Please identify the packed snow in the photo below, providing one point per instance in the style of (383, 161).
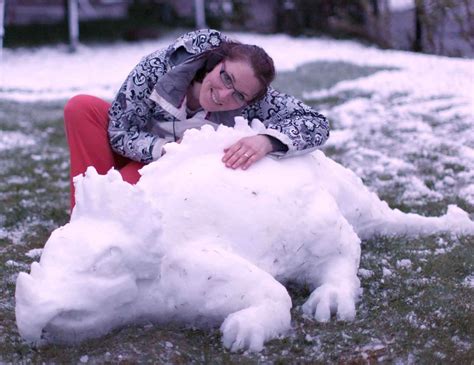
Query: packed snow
(197, 243)
(9, 140)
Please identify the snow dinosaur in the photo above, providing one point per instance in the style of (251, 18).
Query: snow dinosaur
(197, 243)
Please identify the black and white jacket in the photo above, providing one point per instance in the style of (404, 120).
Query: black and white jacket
(149, 109)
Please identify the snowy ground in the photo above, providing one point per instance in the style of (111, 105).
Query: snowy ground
(404, 122)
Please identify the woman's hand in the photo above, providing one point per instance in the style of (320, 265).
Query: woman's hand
(163, 150)
(247, 151)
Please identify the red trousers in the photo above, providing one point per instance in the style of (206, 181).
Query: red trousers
(86, 122)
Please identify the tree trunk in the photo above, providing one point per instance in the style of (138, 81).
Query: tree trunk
(72, 19)
(2, 28)
(418, 39)
(199, 11)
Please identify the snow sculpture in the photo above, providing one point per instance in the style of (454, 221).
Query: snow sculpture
(198, 243)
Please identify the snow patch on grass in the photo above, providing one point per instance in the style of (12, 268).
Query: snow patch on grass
(9, 140)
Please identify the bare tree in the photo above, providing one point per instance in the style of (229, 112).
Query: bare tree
(417, 45)
(439, 22)
(465, 20)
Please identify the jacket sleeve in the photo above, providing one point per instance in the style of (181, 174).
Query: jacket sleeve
(132, 110)
(296, 125)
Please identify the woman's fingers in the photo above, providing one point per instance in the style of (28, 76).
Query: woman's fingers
(239, 157)
(251, 160)
(246, 158)
(231, 152)
(246, 151)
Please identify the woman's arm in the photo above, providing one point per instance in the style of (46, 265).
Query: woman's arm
(296, 125)
(132, 109)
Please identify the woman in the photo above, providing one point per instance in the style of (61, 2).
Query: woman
(202, 78)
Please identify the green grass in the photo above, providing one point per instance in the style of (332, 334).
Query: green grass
(420, 314)
(321, 75)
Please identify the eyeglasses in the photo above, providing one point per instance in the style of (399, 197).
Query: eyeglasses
(229, 84)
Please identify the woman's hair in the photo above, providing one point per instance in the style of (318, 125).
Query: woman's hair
(255, 56)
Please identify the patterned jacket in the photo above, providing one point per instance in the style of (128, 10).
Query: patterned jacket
(149, 109)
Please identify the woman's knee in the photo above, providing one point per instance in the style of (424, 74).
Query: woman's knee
(130, 172)
(82, 109)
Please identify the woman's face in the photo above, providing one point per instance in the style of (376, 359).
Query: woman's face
(230, 85)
